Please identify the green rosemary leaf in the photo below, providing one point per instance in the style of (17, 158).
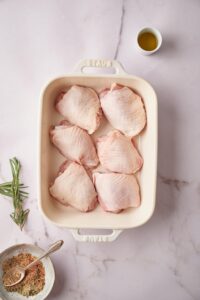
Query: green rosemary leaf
(15, 190)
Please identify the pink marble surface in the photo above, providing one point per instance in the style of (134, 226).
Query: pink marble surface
(40, 40)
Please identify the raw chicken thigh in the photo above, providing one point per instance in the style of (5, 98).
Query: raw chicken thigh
(117, 153)
(124, 109)
(116, 191)
(74, 143)
(81, 107)
(74, 187)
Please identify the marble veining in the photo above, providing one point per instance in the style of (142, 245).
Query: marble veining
(178, 184)
(44, 39)
(123, 11)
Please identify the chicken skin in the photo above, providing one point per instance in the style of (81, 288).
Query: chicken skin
(116, 191)
(74, 143)
(80, 106)
(117, 153)
(124, 109)
(74, 187)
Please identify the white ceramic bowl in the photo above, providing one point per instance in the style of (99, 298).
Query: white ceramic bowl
(49, 272)
(158, 36)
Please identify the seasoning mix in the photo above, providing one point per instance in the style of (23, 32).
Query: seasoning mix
(34, 280)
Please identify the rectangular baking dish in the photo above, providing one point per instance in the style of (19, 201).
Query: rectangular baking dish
(50, 159)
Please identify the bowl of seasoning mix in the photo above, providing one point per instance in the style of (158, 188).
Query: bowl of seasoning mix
(39, 279)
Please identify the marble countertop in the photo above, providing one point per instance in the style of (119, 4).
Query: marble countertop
(44, 39)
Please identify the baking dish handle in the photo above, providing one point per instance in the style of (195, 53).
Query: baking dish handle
(99, 63)
(95, 237)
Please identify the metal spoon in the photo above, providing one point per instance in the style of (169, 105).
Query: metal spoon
(18, 273)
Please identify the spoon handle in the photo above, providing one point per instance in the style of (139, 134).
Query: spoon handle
(54, 247)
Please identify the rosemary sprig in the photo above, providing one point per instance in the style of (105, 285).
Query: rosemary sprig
(15, 190)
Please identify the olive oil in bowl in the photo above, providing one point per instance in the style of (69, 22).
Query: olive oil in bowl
(149, 40)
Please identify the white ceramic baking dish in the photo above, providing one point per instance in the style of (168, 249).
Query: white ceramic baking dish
(50, 159)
